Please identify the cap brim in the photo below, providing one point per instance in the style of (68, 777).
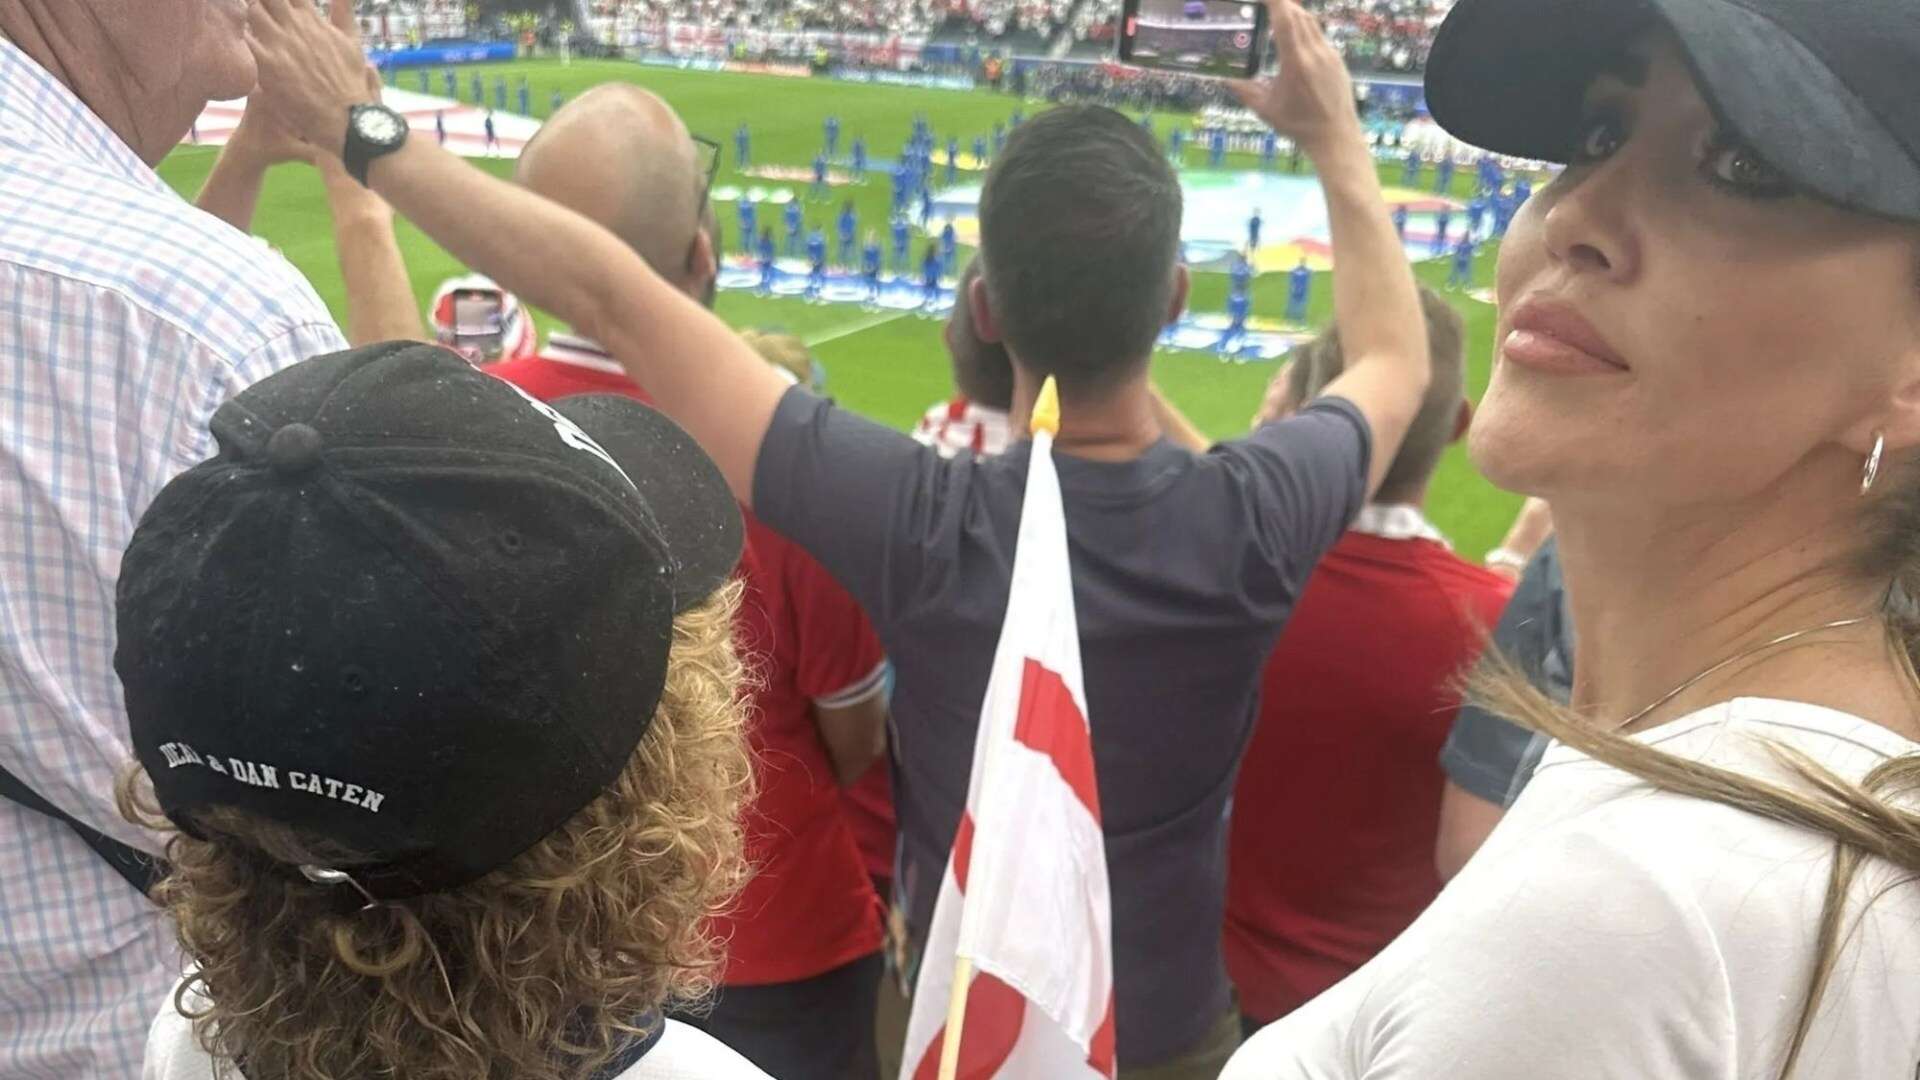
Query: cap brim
(681, 485)
(1510, 76)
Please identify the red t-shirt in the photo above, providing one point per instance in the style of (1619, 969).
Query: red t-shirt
(809, 907)
(1330, 849)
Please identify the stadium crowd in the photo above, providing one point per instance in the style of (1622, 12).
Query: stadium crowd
(606, 708)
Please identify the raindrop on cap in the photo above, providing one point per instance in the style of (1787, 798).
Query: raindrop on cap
(294, 450)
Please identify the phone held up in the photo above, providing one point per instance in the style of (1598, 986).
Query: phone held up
(1219, 39)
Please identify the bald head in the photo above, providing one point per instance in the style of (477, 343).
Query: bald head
(621, 156)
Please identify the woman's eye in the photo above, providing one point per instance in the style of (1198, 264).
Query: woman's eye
(1741, 170)
(1599, 139)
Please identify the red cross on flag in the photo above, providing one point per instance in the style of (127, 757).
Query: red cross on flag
(1017, 976)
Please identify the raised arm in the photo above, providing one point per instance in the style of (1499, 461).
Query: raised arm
(232, 190)
(380, 301)
(1375, 301)
(691, 363)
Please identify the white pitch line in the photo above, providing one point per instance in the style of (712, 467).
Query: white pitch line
(854, 328)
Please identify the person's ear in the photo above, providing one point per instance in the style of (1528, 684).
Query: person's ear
(1898, 421)
(1462, 420)
(1182, 286)
(986, 326)
(703, 265)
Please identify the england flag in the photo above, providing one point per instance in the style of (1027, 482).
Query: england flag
(1017, 976)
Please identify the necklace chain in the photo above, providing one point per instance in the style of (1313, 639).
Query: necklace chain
(1734, 659)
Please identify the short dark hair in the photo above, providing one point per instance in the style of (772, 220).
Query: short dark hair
(1432, 428)
(1080, 237)
(981, 370)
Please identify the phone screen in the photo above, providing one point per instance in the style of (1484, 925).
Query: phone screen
(1214, 38)
(476, 314)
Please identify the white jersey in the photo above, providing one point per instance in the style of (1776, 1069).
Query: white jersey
(683, 1053)
(1610, 930)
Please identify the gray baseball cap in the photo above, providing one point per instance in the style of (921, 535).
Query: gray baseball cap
(1823, 89)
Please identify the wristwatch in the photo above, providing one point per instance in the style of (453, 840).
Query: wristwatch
(1502, 558)
(373, 131)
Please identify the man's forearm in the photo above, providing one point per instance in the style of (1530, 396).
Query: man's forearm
(232, 190)
(693, 366)
(1376, 303)
(380, 302)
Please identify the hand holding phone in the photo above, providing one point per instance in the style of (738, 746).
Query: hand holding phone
(1310, 97)
(1218, 39)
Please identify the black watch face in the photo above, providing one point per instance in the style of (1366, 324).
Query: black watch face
(378, 126)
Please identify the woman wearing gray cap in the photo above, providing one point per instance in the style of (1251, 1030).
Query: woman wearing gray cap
(1709, 362)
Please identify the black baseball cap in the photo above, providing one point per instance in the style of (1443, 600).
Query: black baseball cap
(1823, 89)
(411, 611)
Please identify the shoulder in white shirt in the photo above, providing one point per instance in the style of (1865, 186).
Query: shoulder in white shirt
(1609, 930)
(683, 1053)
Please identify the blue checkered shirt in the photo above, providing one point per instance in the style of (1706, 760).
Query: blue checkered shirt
(126, 318)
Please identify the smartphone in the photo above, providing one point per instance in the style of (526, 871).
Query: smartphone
(1220, 39)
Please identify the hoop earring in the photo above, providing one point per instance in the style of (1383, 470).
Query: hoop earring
(1872, 471)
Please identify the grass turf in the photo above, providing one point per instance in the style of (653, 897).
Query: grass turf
(888, 367)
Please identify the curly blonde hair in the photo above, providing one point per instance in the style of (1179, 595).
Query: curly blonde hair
(542, 970)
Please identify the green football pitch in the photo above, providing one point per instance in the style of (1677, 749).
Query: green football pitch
(888, 366)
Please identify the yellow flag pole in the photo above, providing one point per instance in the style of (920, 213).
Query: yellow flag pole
(1046, 417)
(956, 1017)
(1046, 409)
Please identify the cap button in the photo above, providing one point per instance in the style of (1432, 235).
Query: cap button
(294, 450)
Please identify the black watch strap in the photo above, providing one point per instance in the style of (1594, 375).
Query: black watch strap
(361, 152)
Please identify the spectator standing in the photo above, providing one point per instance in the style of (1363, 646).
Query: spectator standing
(974, 420)
(1712, 870)
(131, 317)
(1081, 205)
(803, 965)
(1339, 744)
(367, 870)
(1488, 759)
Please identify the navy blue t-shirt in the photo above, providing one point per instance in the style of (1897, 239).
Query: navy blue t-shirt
(1185, 568)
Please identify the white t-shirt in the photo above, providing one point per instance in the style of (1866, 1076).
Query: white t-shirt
(1611, 930)
(683, 1053)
